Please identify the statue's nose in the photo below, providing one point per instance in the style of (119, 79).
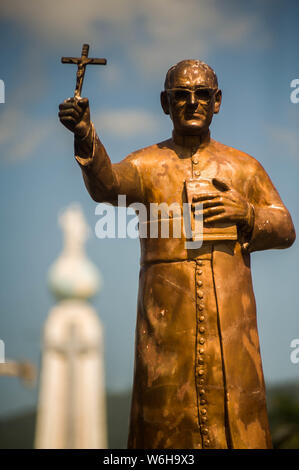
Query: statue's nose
(192, 99)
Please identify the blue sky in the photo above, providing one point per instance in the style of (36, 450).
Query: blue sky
(253, 47)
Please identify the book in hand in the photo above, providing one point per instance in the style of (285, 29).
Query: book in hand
(213, 231)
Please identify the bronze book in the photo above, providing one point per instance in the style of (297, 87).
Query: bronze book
(212, 231)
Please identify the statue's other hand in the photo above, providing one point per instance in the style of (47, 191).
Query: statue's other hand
(228, 206)
(74, 114)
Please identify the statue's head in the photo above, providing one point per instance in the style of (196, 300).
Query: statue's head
(191, 96)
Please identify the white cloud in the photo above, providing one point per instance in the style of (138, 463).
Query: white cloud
(113, 76)
(21, 130)
(151, 33)
(126, 122)
(68, 20)
(21, 134)
(189, 29)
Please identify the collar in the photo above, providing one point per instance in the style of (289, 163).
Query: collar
(193, 142)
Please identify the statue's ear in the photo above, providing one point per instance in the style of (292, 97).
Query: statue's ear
(164, 102)
(218, 98)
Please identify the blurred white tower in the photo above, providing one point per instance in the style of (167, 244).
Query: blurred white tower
(72, 409)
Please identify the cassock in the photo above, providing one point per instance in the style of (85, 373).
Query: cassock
(198, 378)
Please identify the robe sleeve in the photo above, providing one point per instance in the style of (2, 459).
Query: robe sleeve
(273, 226)
(104, 180)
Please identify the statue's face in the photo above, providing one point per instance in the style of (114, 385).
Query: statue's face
(191, 100)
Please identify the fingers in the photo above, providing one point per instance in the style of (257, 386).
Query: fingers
(217, 218)
(70, 112)
(206, 196)
(211, 211)
(69, 122)
(83, 103)
(216, 205)
(224, 216)
(78, 104)
(74, 115)
(70, 104)
(218, 201)
(208, 201)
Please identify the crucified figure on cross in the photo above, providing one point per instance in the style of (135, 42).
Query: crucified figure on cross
(81, 62)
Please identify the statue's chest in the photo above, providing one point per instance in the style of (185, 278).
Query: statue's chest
(166, 180)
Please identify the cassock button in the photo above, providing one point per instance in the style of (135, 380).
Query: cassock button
(200, 293)
(195, 160)
(202, 391)
(204, 419)
(206, 442)
(201, 318)
(202, 381)
(201, 306)
(203, 411)
(201, 361)
(199, 283)
(197, 173)
(202, 329)
(199, 262)
(201, 350)
(201, 341)
(205, 431)
(201, 372)
(203, 402)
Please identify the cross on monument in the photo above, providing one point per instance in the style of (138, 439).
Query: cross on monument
(81, 62)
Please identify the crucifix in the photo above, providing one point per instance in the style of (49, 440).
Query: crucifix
(81, 63)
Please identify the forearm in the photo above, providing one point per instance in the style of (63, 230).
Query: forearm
(99, 177)
(273, 228)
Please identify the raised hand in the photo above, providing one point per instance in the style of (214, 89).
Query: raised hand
(74, 114)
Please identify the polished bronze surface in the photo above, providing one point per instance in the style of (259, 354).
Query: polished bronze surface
(198, 378)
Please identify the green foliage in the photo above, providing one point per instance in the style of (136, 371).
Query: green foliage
(283, 408)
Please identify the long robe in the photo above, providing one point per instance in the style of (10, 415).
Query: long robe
(198, 378)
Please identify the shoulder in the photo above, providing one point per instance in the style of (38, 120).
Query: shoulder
(149, 154)
(237, 156)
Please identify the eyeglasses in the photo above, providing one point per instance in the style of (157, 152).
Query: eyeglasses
(204, 94)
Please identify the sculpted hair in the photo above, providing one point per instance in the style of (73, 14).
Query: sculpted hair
(211, 76)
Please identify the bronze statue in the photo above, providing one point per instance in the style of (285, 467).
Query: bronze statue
(198, 378)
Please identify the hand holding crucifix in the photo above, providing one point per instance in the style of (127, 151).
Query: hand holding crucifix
(74, 112)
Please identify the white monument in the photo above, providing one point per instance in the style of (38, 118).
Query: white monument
(72, 408)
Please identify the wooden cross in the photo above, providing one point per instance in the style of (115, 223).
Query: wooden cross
(81, 62)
